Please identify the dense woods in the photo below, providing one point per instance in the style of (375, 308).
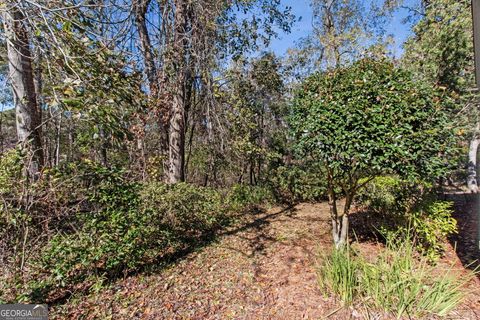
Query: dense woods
(135, 132)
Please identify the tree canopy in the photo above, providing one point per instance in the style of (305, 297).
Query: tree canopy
(371, 119)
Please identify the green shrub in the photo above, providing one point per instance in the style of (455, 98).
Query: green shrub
(20, 222)
(12, 216)
(398, 205)
(392, 195)
(385, 195)
(395, 281)
(132, 226)
(10, 171)
(186, 209)
(102, 225)
(242, 196)
(296, 183)
(110, 238)
(432, 222)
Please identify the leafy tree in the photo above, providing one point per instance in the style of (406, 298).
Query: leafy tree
(441, 51)
(366, 120)
(195, 35)
(255, 95)
(98, 95)
(342, 32)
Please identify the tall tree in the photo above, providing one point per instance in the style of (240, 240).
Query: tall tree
(28, 113)
(192, 37)
(254, 96)
(441, 51)
(343, 31)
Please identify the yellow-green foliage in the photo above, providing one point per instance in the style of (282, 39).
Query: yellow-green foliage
(10, 170)
(299, 182)
(401, 205)
(242, 196)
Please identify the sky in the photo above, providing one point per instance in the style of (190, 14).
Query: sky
(301, 8)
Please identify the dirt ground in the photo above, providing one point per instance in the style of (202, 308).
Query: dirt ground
(263, 268)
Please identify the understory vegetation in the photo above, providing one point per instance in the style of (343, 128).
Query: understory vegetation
(96, 224)
(134, 133)
(398, 208)
(397, 280)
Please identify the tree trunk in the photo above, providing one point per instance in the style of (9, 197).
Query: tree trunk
(140, 11)
(176, 130)
(340, 223)
(340, 230)
(332, 203)
(70, 140)
(57, 139)
(472, 182)
(140, 8)
(176, 145)
(28, 113)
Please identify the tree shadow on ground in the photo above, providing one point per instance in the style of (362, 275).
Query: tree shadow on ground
(242, 222)
(261, 237)
(466, 212)
(364, 226)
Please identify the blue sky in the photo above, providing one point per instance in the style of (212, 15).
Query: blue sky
(301, 8)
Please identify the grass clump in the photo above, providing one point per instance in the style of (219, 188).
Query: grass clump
(338, 274)
(395, 281)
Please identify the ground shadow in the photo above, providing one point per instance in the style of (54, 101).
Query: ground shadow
(57, 296)
(364, 226)
(466, 212)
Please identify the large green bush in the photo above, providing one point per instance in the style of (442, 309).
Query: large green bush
(186, 210)
(368, 119)
(386, 195)
(83, 220)
(12, 214)
(108, 238)
(432, 222)
(241, 197)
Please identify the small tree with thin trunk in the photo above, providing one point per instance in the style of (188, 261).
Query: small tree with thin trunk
(366, 120)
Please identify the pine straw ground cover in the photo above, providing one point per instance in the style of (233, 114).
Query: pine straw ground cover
(261, 268)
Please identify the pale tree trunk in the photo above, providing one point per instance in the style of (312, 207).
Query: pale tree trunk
(340, 230)
(176, 145)
(332, 203)
(472, 182)
(58, 131)
(340, 223)
(70, 141)
(28, 113)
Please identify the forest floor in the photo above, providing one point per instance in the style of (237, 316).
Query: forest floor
(261, 268)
